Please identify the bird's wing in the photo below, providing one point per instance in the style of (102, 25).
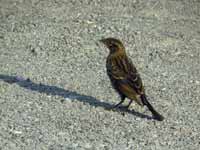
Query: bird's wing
(124, 72)
(133, 78)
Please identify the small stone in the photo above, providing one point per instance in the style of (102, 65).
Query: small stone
(177, 53)
(87, 145)
(191, 81)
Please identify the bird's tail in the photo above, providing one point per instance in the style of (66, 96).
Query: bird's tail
(156, 115)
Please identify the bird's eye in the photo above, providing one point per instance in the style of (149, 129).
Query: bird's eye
(113, 47)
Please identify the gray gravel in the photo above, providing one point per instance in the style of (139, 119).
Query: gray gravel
(54, 91)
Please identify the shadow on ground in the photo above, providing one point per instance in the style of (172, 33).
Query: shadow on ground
(54, 90)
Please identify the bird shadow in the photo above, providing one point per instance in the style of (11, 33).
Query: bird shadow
(54, 90)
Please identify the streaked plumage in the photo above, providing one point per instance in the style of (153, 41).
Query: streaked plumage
(124, 76)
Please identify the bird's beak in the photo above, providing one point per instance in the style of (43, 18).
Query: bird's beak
(103, 41)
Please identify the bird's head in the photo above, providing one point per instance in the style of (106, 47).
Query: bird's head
(114, 45)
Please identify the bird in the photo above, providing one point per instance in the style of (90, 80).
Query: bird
(124, 76)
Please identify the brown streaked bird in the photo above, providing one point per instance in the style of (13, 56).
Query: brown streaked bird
(124, 76)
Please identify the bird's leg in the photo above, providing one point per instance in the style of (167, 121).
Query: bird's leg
(122, 100)
(156, 115)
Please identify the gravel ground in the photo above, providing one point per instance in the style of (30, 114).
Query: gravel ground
(54, 91)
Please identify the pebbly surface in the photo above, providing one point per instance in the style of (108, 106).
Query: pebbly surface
(54, 91)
